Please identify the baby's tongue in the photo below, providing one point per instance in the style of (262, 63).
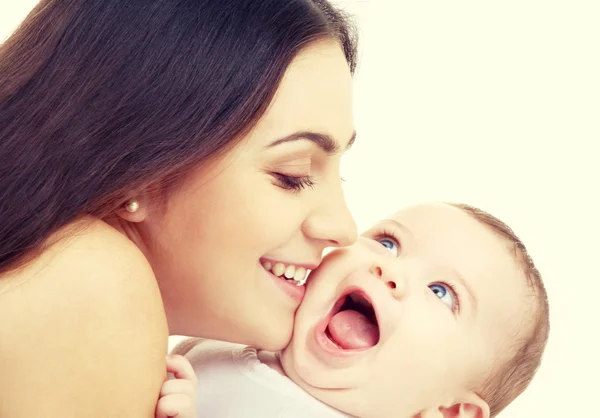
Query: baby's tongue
(351, 329)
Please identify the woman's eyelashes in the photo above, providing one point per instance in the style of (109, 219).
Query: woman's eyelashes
(293, 183)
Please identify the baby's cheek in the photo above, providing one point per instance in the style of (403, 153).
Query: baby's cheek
(420, 340)
(325, 280)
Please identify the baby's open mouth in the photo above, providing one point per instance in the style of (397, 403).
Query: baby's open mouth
(354, 324)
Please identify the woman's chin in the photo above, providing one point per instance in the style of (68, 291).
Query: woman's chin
(272, 341)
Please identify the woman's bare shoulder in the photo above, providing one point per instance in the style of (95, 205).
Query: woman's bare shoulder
(84, 331)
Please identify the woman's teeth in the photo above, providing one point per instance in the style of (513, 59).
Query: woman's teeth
(292, 273)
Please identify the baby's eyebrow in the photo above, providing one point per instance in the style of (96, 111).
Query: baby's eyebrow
(400, 226)
(392, 223)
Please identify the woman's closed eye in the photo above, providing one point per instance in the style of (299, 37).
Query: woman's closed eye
(293, 183)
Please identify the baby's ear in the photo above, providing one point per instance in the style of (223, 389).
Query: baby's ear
(470, 406)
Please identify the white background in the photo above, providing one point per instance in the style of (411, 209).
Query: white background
(496, 104)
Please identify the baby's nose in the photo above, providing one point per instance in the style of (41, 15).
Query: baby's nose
(392, 279)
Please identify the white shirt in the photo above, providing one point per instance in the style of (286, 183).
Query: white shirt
(234, 383)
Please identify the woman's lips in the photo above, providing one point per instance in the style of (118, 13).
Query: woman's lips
(289, 287)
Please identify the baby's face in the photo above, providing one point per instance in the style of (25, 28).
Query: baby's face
(409, 317)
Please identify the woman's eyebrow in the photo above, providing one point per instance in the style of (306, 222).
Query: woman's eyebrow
(323, 141)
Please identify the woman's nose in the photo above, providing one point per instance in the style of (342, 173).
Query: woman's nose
(331, 221)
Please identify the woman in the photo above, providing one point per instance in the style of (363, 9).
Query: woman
(169, 151)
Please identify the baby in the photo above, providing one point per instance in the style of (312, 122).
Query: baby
(437, 312)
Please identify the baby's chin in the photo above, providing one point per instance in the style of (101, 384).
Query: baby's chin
(310, 376)
(327, 385)
(301, 375)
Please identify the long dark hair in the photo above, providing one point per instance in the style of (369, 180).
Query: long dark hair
(102, 97)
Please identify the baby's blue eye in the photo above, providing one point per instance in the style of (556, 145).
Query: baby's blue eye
(390, 244)
(444, 292)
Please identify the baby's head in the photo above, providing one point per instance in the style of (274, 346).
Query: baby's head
(436, 312)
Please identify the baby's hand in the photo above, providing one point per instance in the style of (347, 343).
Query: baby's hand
(178, 396)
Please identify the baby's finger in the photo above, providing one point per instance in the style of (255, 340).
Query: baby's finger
(175, 406)
(179, 386)
(181, 368)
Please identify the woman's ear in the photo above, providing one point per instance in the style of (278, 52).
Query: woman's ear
(134, 210)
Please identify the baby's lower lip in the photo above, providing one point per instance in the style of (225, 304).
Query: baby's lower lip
(325, 349)
(327, 344)
(327, 352)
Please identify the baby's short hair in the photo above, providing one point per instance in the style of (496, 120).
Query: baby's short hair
(509, 379)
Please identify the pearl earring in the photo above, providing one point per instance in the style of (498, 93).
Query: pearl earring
(132, 206)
